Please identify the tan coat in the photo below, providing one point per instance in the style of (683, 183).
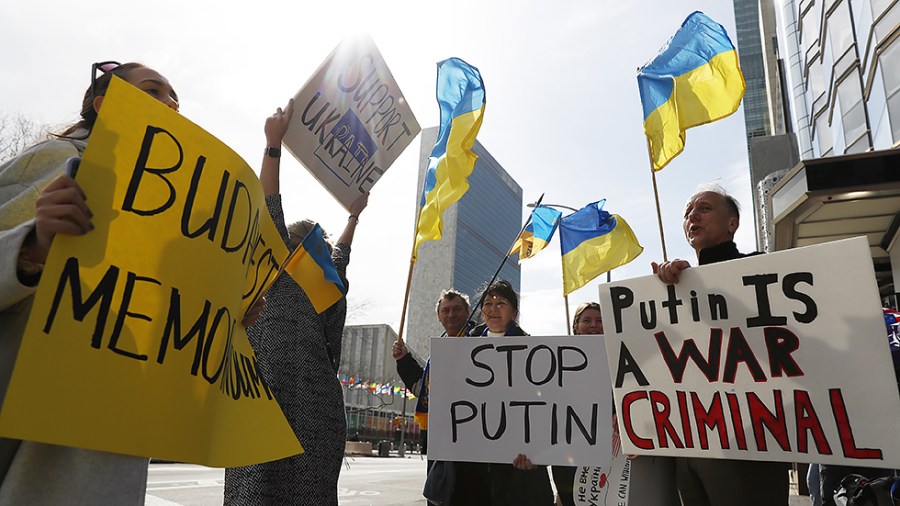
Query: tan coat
(35, 473)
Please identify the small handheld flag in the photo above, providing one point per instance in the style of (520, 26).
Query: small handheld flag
(311, 267)
(695, 79)
(460, 94)
(537, 233)
(593, 242)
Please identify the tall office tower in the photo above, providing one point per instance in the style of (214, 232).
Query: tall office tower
(844, 79)
(478, 231)
(770, 144)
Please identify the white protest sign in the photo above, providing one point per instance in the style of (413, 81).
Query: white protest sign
(494, 398)
(778, 357)
(603, 485)
(350, 121)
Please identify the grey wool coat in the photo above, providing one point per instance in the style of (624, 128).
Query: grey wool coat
(30, 472)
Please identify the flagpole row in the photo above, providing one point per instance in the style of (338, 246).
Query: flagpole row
(505, 257)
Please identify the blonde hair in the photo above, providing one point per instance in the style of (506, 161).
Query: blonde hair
(581, 309)
(298, 230)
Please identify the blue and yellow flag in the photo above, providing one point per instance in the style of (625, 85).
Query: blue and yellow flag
(593, 242)
(537, 233)
(460, 94)
(694, 80)
(311, 267)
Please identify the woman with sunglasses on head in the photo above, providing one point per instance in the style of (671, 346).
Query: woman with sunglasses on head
(522, 483)
(298, 352)
(37, 202)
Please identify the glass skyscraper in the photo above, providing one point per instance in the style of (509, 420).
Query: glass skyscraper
(478, 231)
(849, 72)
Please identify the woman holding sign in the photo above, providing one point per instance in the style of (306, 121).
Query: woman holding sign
(299, 352)
(38, 200)
(521, 483)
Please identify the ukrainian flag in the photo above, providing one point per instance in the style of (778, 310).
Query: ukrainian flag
(537, 233)
(311, 267)
(694, 80)
(593, 242)
(460, 94)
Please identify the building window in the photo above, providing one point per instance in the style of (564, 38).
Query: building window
(853, 114)
(823, 133)
(816, 80)
(879, 6)
(889, 62)
(888, 22)
(839, 29)
(809, 31)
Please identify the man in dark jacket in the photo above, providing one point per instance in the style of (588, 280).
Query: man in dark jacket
(711, 218)
(452, 310)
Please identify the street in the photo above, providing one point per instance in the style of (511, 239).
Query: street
(364, 481)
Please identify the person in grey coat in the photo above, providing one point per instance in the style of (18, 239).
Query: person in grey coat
(37, 202)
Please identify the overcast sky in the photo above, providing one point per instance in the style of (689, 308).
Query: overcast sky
(563, 113)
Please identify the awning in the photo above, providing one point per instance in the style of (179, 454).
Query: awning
(827, 199)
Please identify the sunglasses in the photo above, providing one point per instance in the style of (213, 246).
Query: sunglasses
(103, 67)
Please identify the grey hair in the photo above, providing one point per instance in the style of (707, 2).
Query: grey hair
(734, 206)
(451, 294)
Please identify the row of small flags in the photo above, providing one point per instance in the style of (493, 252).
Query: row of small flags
(375, 387)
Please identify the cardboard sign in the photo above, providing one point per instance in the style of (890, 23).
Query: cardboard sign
(778, 357)
(603, 486)
(134, 343)
(350, 121)
(494, 398)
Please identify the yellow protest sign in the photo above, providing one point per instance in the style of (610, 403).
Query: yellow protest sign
(134, 344)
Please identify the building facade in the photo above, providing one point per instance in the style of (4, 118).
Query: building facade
(477, 233)
(843, 61)
(373, 392)
(848, 73)
(771, 146)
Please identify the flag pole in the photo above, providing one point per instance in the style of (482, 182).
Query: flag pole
(505, 257)
(662, 235)
(412, 264)
(568, 328)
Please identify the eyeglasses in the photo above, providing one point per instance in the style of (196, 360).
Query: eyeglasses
(103, 67)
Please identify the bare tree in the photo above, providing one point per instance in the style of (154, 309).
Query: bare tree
(17, 133)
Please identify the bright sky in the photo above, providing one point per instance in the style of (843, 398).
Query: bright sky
(563, 113)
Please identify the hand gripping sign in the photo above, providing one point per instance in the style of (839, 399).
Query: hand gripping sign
(778, 357)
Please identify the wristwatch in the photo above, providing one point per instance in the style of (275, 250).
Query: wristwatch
(273, 152)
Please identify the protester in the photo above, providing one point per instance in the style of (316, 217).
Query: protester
(521, 483)
(711, 218)
(299, 352)
(452, 311)
(37, 202)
